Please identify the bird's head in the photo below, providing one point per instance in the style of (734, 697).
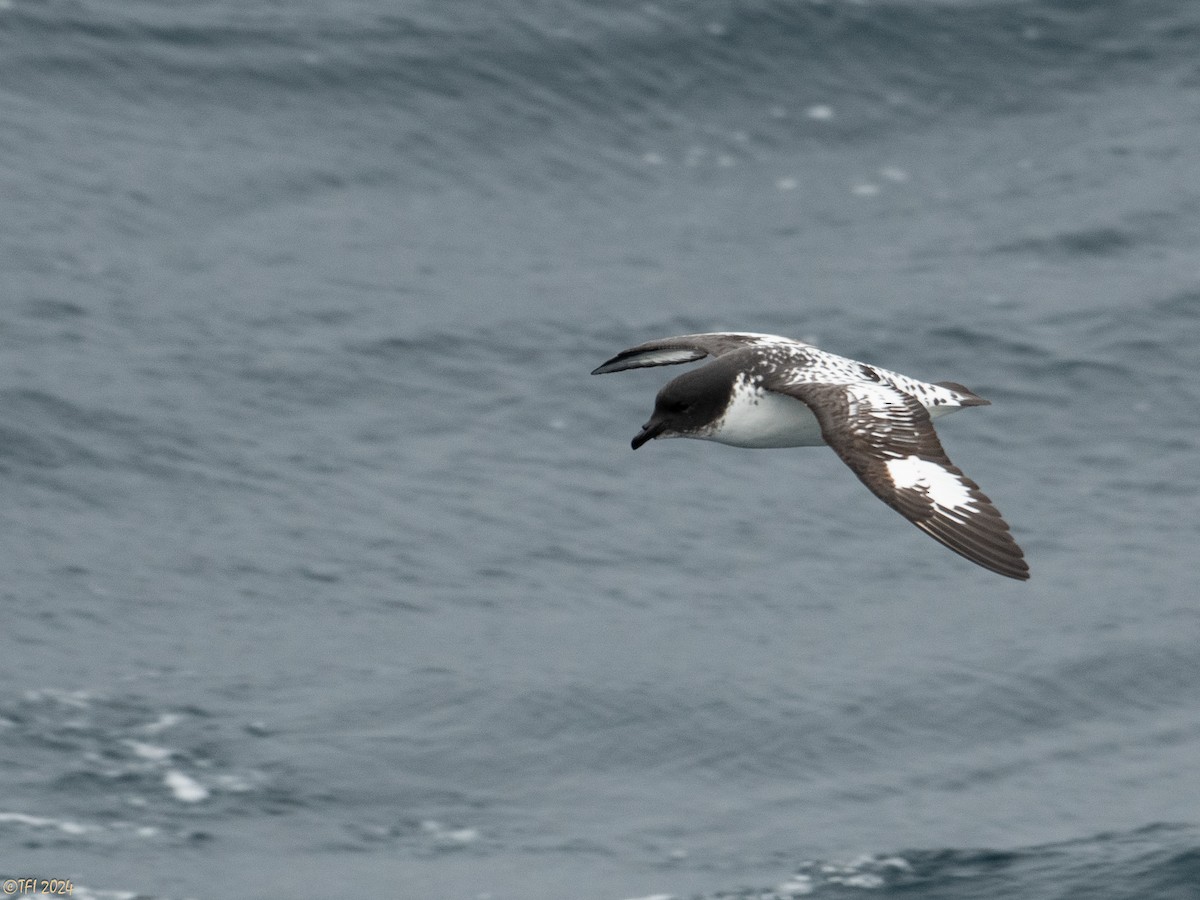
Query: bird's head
(687, 406)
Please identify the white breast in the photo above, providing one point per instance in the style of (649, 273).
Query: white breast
(765, 419)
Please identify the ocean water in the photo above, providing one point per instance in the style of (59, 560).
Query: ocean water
(329, 572)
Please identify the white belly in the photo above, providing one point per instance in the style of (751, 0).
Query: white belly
(767, 420)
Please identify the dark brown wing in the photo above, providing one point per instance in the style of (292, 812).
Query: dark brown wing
(686, 348)
(887, 438)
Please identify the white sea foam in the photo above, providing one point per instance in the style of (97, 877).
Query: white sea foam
(162, 723)
(151, 752)
(185, 788)
(64, 825)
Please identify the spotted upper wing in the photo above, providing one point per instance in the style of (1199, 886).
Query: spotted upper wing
(688, 348)
(887, 438)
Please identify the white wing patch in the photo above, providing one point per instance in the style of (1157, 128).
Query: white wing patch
(666, 357)
(691, 347)
(945, 489)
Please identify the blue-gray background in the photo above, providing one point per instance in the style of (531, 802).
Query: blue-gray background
(327, 568)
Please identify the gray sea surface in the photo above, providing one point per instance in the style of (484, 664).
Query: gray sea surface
(329, 572)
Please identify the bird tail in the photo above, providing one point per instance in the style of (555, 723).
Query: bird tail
(966, 397)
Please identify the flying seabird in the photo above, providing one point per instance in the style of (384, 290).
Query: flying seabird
(762, 390)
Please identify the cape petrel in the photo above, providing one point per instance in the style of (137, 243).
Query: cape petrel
(761, 390)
